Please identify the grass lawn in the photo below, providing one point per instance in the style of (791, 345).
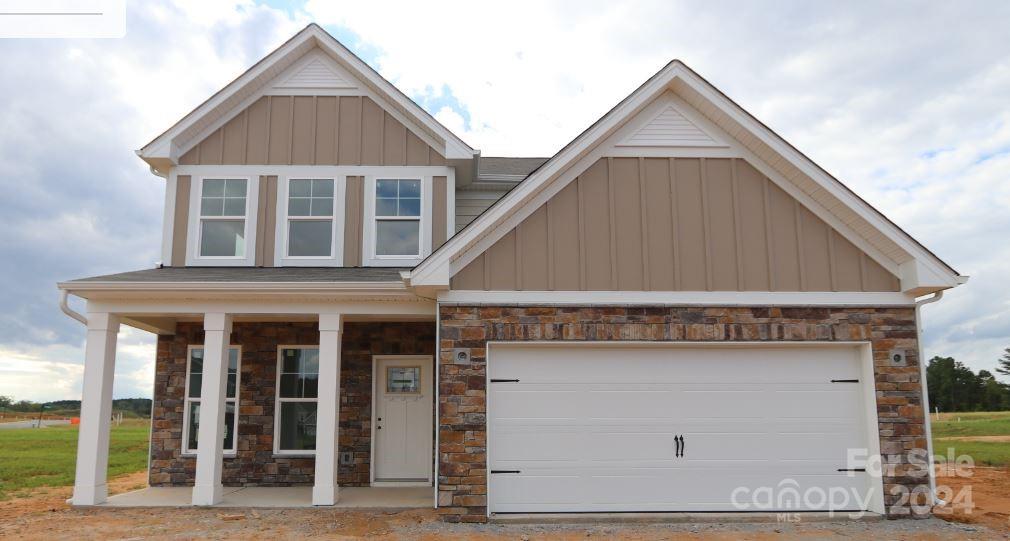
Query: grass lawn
(34, 457)
(974, 424)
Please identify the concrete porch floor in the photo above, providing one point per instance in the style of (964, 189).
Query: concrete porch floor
(279, 497)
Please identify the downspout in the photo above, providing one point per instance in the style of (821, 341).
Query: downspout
(925, 393)
(438, 409)
(64, 294)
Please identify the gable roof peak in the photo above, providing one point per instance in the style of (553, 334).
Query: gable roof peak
(164, 150)
(921, 272)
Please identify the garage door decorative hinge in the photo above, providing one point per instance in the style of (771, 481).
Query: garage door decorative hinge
(505, 471)
(852, 469)
(845, 381)
(495, 380)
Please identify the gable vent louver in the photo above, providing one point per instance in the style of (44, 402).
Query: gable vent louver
(315, 74)
(670, 129)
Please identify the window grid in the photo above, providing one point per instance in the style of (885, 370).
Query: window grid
(310, 200)
(234, 353)
(397, 200)
(223, 200)
(281, 399)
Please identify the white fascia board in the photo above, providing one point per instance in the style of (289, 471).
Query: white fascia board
(679, 298)
(242, 291)
(456, 148)
(76, 287)
(365, 308)
(487, 224)
(161, 147)
(455, 145)
(828, 183)
(483, 225)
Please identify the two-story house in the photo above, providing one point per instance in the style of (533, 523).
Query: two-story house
(676, 307)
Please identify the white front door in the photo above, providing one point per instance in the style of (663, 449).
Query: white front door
(676, 428)
(403, 399)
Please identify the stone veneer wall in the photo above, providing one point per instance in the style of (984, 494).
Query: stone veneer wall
(462, 449)
(255, 463)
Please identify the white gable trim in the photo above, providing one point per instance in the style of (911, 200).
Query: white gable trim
(266, 90)
(608, 147)
(168, 145)
(588, 147)
(314, 73)
(664, 124)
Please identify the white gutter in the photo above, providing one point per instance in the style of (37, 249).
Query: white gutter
(68, 310)
(925, 393)
(231, 286)
(156, 173)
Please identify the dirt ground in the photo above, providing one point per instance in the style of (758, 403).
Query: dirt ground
(45, 515)
(982, 498)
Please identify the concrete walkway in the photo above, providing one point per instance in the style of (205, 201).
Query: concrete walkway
(279, 497)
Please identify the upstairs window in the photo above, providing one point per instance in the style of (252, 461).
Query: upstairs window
(194, 392)
(223, 209)
(397, 218)
(310, 218)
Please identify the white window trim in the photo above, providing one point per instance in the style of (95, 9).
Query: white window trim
(368, 257)
(336, 257)
(186, 451)
(277, 404)
(193, 257)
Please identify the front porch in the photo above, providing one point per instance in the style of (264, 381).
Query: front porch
(280, 497)
(282, 375)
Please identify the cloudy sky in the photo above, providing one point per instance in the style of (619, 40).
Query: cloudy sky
(905, 102)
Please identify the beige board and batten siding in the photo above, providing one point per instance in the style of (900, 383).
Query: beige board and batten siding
(673, 224)
(439, 211)
(180, 223)
(310, 130)
(313, 130)
(354, 217)
(267, 219)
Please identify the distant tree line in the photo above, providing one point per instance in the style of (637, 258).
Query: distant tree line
(954, 387)
(140, 407)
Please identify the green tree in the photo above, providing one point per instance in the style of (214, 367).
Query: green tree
(1003, 363)
(5, 402)
(953, 386)
(995, 395)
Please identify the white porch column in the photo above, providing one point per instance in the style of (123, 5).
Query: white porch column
(209, 453)
(324, 492)
(96, 410)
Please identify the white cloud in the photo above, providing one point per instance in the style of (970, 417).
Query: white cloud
(869, 91)
(907, 108)
(55, 371)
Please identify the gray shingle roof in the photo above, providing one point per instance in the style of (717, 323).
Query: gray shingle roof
(253, 274)
(494, 168)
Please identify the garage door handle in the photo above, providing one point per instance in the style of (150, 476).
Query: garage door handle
(679, 441)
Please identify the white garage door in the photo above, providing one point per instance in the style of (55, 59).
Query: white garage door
(618, 428)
